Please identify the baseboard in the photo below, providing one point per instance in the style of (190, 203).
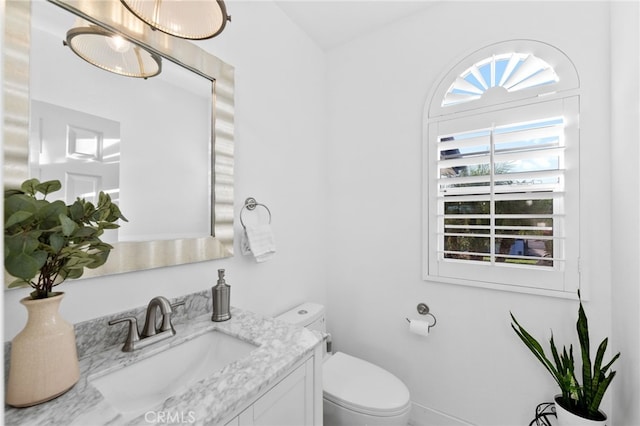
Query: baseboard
(424, 416)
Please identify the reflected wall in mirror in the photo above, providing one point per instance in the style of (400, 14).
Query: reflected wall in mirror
(164, 134)
(78, 149)
(162, 147)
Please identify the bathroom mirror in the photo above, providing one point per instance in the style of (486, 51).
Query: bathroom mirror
(201, 151)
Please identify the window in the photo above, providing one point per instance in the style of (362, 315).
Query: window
(512, 71)
(501, 176)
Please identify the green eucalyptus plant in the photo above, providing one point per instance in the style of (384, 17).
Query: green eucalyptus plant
(580, 399)
(46, 242)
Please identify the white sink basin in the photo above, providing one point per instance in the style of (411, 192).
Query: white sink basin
(136, 388)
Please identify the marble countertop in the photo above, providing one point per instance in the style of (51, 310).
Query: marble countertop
(212, 400)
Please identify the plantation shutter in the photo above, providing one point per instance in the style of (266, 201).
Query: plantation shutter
(499, 184)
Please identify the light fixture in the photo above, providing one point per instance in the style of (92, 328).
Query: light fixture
(190, 19)
(112, 52)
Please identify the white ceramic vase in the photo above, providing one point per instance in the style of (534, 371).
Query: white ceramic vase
(44, 358)
(566, 418)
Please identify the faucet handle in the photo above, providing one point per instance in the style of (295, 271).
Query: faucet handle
(132, 335)
(175, 305)
(167, 324)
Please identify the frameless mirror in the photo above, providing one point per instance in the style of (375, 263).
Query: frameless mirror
(162, 147)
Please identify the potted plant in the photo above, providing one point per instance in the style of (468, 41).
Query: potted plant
(46, 242)
(577, 403)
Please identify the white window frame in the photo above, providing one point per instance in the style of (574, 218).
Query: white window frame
(560, 99)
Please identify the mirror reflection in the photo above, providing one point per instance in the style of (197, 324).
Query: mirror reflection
(146, 142)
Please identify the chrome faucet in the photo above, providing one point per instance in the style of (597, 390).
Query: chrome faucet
(151, 332)
(151, 325)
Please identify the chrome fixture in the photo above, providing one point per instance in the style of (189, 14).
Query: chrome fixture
(112, 52)
(423, 309)
(151, 333)
(151, 323)
(194, 20)
(220, 296)
(250, 204)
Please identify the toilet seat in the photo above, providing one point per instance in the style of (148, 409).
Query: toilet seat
(363, 387)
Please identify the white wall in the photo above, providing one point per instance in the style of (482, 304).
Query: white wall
(280, 160)
(625, 206)
(472, 366)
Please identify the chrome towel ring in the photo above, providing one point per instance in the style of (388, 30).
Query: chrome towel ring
(250, 204)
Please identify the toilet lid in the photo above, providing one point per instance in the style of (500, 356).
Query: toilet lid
(361, 386)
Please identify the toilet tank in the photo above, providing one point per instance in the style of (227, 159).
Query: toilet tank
(309, 315)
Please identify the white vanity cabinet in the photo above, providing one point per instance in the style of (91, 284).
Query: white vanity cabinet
(296, 400)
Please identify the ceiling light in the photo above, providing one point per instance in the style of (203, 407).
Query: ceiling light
(118, 43)
(112, 52)
(190, 19)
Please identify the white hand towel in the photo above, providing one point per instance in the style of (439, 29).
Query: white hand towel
(260, 242)
(245, 248)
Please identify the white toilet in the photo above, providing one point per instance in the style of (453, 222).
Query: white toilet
(356, 392)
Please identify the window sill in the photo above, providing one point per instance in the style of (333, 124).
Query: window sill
(564, 294)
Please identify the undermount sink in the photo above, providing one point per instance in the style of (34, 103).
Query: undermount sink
(138, 387)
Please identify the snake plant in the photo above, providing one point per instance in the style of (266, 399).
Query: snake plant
(580, 399)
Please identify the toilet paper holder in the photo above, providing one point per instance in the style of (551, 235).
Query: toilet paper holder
(423, 309)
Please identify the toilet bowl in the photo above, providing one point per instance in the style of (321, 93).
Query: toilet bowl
(355, 392)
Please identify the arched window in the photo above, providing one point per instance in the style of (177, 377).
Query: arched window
(501, 171)
(512, 71)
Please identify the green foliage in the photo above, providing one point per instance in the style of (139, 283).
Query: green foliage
(48, 242)
(585, 399)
